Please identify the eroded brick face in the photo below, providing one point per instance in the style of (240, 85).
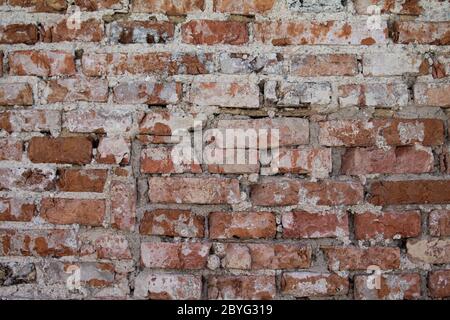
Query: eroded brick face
(68, 211)
(209, 32)
(392, 287)
(225, 149)
(311, 284)
(39, 63)
(243, 7)
(171, 7)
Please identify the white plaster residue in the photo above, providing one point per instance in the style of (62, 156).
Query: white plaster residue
(411, 132)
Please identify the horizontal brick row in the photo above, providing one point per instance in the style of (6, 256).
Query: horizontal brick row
(212, 32)
(222, 94)
(294, 284)
(45, 63)
(222, 225)
(235, 7)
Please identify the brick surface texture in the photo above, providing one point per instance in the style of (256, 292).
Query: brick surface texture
(98, 100)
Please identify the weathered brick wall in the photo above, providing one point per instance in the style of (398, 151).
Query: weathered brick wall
(89, 115)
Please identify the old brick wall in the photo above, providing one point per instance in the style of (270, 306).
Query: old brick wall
(91, 104)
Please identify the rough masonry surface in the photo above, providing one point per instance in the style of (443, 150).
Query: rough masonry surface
(96, 97)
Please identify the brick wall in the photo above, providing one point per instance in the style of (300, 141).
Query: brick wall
(93, 104)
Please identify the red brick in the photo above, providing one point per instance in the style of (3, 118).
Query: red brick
(92, 274)
(126, 32)
(241, 287)
(387, 225)
(38, 243)
(41, 5)
(395, 132)
(209, 32)
(439, 223)
(91, 5)
(441, 66)
(235, 256)
(1, 64)
(266, 256)
(123, 205)
(312, 284)
(104, 244)
(112, 122)
(17, 209)
(415, 159)
(291, 131)
(445, 160)
(224, 94)
(90, 30)
(409, 7)
(247, 7)
(166, 255)
(386, 64)
(16, 94)
(28, 179)
(162, 286)
(73, 211)
(73, 150)
(194, 64)
(383, 95)
(76, 89)
(242, 225)
(41, 63)
(435, 33)
(297, 94)
(30, 120)
(122, 172)
(410, 192)
(347, 133)
(76, 180)
(316, 162)
(19, 33)
(114, 150)
(102, 64)
(193, 190)
(282, 33)
(439, 283)
(97, 275)
(166, 160)
(353, 258)
(432, 94)
(428, 132)
(232, 160)
(172, 223)
(432, 251)
(324, 65)
(152, 93)
(10, 149)
(292, 192)
(392, 287)
(170, 7)
(165, 123)
(302, 224)
(244, 63)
